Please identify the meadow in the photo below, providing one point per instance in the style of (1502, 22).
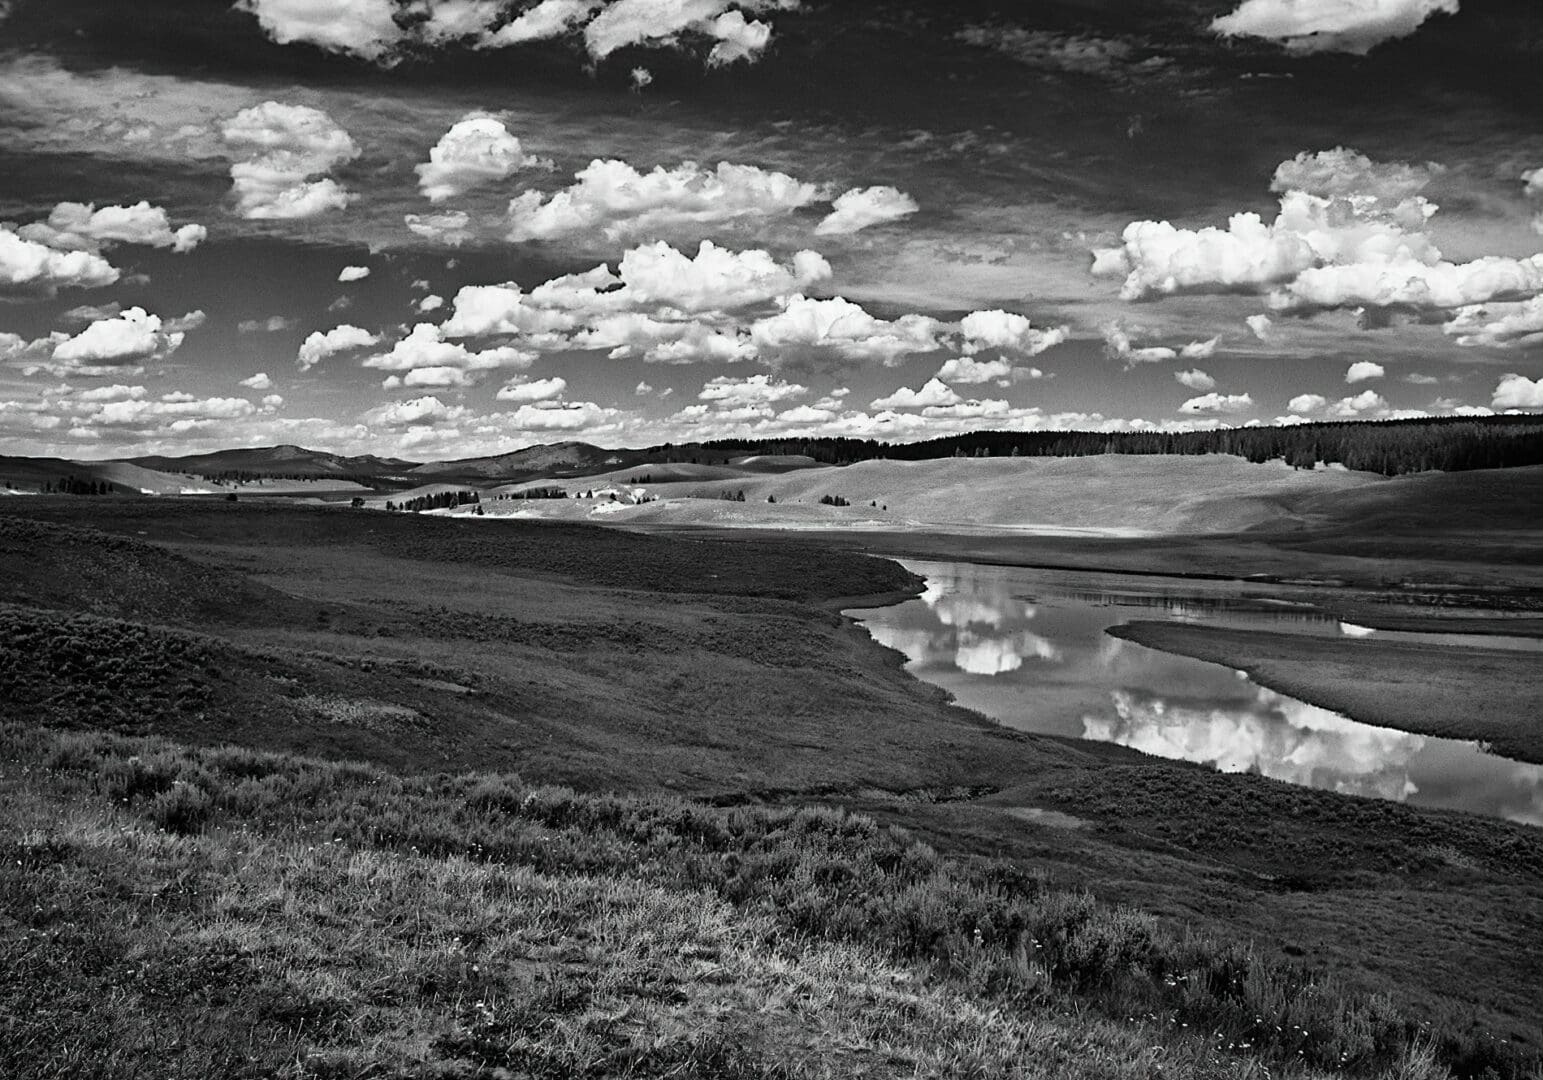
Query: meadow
(313, 791)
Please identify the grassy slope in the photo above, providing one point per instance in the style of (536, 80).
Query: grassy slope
(615, 660)
(229, 914)
(1207, 494)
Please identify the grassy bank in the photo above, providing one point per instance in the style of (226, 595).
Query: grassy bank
(219, 912)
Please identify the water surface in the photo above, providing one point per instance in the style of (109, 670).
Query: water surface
(1028, 648)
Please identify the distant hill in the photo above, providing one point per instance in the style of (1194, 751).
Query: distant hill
(557, 459)
(286, 460)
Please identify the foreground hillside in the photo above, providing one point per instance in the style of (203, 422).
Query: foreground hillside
(174, 906)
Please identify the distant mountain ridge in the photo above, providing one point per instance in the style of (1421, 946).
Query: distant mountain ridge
(1389, 447)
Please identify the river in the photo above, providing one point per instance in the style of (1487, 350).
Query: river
(1028, 649)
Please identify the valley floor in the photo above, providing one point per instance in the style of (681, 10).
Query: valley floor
(711, 669)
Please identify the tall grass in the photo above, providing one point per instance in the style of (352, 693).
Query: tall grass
(489, 924)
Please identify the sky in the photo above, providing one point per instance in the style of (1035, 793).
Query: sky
(447, 228)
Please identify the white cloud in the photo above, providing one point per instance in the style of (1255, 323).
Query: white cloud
(476, 150)
(845, 329)
(353, 273)
(965, 369)
(1118, 344)
(651, 307)
(529, 390)
(415, 412)
(1353, 234)
(1503, 326)
(1217, 404)
(1195, 379)
(1362, 404)
(1533, 182)
(932, 394)
(548, 19)
(614, 198)
(132, 337)
(260, 381)
(318, 346)
(1303, 404)
(271, 325)
(431, 302)
(642, 389)
(658, 341)
(29, 268)
(1518, 392)
(1308, 26)
(861, 207)
(1008, 331)
(755, 390)
(1362, 370)
(1260, 326)
(73, 226)
(641, 22)
(282, 147)
(425, 350)
(453, 227)
(561, 416)
(738, 38)
(364, 28)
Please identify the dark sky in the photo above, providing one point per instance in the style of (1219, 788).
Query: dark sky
(903, 202)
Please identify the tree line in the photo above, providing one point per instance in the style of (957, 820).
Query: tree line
(441, 500)
(1389, 447)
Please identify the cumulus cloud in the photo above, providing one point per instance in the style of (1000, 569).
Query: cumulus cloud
(431, 302)
(1362, 370)
(28, 268)
(371, 29)
(130, 338)
(561, 416)
(420, 411)
(271, 325)
(318, 346)
(862, 207)
(476, 150)
(1350, 233)
(966, 369)
(1260, 326)
(73, 226)
(933, 393)
(1118, 344)
(1518, 392)
(1008, 331)
(1309, 26)
(528, 390)
(654, 305)
(1217, 404)
(1306, 404)
(353, 273)
(614, 198)
(1195, 379)
(1367, 402)
(755, 390)
(843, 328)
(453, 227)
(428, 359)
(260, 381)
(281, 148)
(548, 19)
(1502, 326)
(364, 28)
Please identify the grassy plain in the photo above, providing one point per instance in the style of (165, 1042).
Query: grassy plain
(345, 920)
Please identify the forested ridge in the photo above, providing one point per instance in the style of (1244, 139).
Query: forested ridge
(1390, 447)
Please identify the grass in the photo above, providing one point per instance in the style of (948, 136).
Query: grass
(220, 912)
(451, 656)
